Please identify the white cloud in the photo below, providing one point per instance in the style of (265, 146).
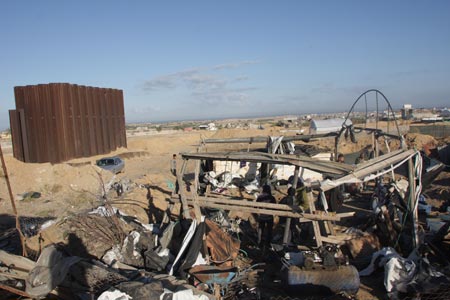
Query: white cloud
(235, 65)
(145, 110)
(205, 85)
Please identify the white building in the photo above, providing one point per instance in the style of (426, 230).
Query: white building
(326, 126)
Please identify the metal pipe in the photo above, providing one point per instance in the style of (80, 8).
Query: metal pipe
(13, 204)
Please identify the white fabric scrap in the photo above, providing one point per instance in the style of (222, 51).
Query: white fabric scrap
(113, 256)
(183, 295)
(103, 212)
(47, 224)
(386, 254)
(136, 236)
(398, 271)
(185, 243)
(151, 228)
(114, 294)
(200, 260)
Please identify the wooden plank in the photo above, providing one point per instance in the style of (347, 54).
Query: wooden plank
(332, 240)
(287, 226)
(364, 170)
(261, 157)
(316, 228)
(263, 139)
(198, 213)
(281, 213)
(182, 191)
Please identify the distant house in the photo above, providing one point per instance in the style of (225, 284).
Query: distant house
(407, 112)
(445, 113)
(326, 126)
(212, 126)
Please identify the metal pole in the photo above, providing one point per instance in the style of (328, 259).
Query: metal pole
(13, 204)
(412, 202)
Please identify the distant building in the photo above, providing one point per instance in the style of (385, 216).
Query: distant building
(389, 115)
(212, 126)
(445, 113)
(407, 112)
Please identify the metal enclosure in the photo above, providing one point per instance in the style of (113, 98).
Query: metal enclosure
(60, 121)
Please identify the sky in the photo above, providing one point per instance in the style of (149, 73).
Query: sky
(184, 60)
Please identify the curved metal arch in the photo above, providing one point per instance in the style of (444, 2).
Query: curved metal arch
(390, 110)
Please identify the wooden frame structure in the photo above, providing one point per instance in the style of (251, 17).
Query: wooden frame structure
(341, 173)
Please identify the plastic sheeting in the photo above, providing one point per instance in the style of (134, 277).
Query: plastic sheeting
(114, 294)
(50, 270)
(404, 275)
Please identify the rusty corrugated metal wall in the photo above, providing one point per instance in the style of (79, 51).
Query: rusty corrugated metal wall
(59, 121)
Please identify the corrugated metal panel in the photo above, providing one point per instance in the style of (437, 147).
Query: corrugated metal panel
(59, 121)
(16, 133)
(122, 120)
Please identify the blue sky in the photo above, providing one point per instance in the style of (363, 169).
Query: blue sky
(216, 59)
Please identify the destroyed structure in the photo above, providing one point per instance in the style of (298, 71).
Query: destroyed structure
(346, 221)
(59, 121)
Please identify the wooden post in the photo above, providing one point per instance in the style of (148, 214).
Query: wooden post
(412, 202)
(13, 204)
(197, 211)
(287, 228)
(182, 191)
(316, 228)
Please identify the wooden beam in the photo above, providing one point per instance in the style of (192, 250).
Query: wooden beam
(371, 167)
(281, 159)
(287, 227)
(263, 139)
(268, 208)
(316, 228)
(304, 217)
(182, 191)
